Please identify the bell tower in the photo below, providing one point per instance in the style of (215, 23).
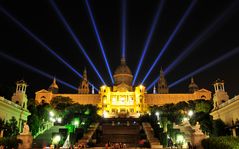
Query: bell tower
(162, 83)
(20, 97)
(220, 95)
(84, 85)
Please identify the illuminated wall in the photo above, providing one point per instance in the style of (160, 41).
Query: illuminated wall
(122, 102)
(161, 99)
(118, 100)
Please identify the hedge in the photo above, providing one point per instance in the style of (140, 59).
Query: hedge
(225, 142)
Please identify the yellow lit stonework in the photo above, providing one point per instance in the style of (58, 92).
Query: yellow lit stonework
(17, 106)
(224, 108)
(122, 99)
(122, 103)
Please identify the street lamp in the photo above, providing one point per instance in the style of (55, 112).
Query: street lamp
(76, 123)
(190, 113)
(59, 120)
(56, 139)
(51, 113)
(157, 114)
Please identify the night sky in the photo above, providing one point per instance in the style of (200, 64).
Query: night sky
(41, 19)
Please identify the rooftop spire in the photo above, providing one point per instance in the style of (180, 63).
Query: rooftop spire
(85, 74)
(54, 80)
(192, 80)
(161, 72)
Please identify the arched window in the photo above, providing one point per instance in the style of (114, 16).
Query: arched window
(43, 97)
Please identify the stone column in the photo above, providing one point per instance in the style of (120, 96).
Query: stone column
(234, 134)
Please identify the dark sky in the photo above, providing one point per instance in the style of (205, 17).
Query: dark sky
(40, 18)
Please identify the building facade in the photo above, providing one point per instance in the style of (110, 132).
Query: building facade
(17, 106)
(123, 99)
(224, 108)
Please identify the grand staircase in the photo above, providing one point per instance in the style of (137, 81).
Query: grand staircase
(44, 139)
(119, 133)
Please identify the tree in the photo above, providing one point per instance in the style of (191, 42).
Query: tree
(218, 128)
(60, 102)
(43, 111)
(33, 119)
(11, 129)
(203, 106)
(205, 120)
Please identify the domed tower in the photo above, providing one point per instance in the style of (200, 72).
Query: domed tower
(20, 97)
(162, 84)
(123, 77)
(53, 87)
(84, 85)
(192, 86)
(220, 95)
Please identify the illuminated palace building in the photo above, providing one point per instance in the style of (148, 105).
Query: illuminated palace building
(123, 99)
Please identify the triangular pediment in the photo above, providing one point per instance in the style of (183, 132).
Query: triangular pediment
(203, 90)
(43, 91)
(123, 87)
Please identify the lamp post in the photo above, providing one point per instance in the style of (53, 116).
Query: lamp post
(190, 113)
(157, 114)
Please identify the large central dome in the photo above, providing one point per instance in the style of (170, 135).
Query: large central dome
(123, 74)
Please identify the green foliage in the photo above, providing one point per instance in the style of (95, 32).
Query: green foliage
(226, 142)
(164, 139)
(33, 119)
(10, 133)
(43, 111)
(203, 106)
(60, 102)
(204, 119)
(34, 124)
(10, 128)
(39, 116)
(218, 128)
(88, 112)
(174, 113)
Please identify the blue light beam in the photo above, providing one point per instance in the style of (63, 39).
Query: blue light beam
(150, 34)
(166, 45)
(68, 28)
(39, 41)
(203, 36)
(218, 22)
(123, 25)
(25, 65)
(99, 39)
(212, 63)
